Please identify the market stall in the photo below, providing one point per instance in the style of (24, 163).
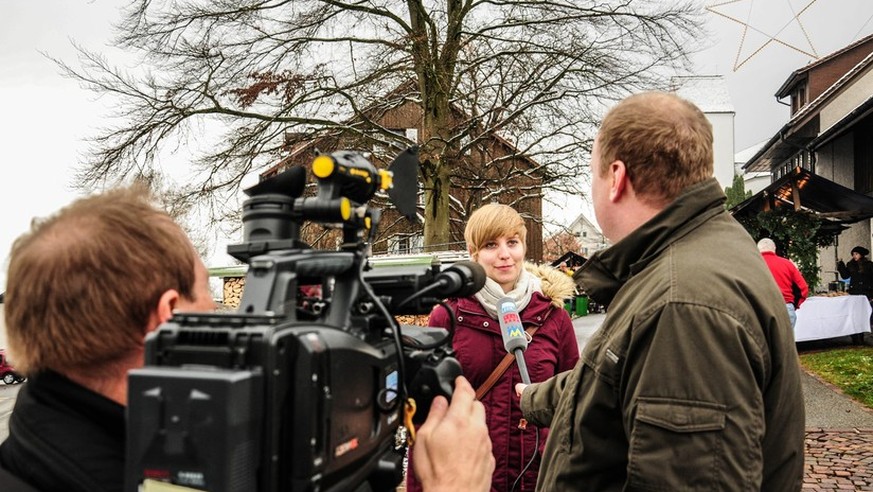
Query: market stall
(823, 317)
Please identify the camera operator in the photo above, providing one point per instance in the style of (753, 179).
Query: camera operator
(85, 286)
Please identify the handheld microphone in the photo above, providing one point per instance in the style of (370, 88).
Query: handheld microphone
(514, 339)
(461, 279)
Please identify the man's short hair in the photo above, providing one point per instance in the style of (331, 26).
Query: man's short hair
(83, 283)
(664, 141)
(490, 222)
(766, 245)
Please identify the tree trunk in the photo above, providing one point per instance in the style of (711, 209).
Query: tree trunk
(436, 207)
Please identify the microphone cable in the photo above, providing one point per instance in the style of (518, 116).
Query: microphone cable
(536, 450)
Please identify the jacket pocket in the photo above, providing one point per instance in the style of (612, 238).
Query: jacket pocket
(676, 445)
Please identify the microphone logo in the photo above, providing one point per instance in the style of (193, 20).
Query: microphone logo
(513, 324)
(510, 320)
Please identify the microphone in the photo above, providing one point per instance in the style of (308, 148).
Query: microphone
(514, 339)
(462, 279)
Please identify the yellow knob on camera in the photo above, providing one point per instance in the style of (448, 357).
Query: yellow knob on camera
(345, 208)
(322, 166)
(386, 178)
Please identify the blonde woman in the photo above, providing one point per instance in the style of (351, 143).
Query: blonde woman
(495, 236)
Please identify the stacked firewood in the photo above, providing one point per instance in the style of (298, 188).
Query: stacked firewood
(233, 288)
(420, 320)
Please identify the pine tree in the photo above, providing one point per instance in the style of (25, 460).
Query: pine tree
(737, 193)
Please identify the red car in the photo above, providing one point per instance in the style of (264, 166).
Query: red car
(7, 372)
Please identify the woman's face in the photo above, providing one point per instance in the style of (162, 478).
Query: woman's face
(502, 259)
(856, 256)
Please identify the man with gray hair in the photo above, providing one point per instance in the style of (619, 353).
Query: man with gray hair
(788, 278)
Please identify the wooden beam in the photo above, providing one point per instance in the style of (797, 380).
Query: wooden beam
(795, 195)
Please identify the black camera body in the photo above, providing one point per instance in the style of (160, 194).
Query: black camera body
(279, 397)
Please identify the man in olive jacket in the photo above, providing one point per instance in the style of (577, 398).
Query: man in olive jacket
(692, 382)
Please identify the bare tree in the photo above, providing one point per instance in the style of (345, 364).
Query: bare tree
(271, 73)
(558, 244)
(178, 207)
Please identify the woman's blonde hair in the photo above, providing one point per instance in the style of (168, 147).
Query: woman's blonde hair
(490, 222)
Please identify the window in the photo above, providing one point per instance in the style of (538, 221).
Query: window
(798, 98)
(802, 159)
(381, 148)
(405, 244)
(465, 141)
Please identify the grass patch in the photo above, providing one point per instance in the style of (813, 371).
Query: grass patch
(850, 369)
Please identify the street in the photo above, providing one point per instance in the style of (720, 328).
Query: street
(585, 326)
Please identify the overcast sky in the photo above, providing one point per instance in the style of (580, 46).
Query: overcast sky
(46, 117)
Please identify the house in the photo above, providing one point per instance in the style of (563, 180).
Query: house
(569, 260)
(514, 179)
(752, 181)
(822, 158)
(711, 95)
(591, 240)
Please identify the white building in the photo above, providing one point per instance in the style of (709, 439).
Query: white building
(711, 95)
(753, 181)
(591, 240)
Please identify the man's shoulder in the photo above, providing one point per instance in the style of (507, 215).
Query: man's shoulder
(715, 267)
(783, 261)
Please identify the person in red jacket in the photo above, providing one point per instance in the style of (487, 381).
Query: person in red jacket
(788, 278)
(495, 236)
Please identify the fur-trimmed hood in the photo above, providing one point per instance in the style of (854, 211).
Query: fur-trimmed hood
(557, 285)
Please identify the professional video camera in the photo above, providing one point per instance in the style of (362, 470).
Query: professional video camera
(283, 395)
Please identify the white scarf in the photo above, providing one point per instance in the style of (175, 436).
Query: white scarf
(524, 288)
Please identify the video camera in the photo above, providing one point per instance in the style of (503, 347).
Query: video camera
(284, 395)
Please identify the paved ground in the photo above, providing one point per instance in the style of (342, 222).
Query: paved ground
(839, 430)
(839, 436)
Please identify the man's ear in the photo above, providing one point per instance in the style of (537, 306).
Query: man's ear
(619, 181)
(164, 309)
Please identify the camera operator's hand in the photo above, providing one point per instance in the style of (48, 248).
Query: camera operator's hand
(452, 450)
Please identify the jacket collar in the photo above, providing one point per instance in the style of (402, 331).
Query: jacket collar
(606, 271)
(535, 313)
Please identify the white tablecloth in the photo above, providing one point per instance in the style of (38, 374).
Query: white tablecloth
(830, 317)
